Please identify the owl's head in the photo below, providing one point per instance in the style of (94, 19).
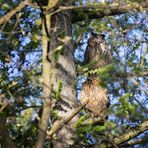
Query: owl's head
(95, 37)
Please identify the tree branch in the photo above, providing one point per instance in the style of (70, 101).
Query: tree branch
(60, 123)
(46, 75)
(12, 12)
(143, 140)
(132, 74)
(98, 11)
(131, 133)
(47, 71)
(138, 84)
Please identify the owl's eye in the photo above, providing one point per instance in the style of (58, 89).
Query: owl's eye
(103, 36)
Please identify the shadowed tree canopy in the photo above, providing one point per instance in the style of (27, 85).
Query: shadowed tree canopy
(55, 88)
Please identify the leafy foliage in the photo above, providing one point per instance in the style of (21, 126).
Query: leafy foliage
(21, 94)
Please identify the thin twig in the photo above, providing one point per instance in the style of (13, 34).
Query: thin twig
(138, 84)
(5, 18)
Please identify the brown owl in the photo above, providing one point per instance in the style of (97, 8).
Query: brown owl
(92, 92)
(97, 51)
(96, 97)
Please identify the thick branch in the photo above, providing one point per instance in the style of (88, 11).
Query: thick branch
(98, 11)
(131, 133)
(142, 140)
(12, 12)
(60, 123)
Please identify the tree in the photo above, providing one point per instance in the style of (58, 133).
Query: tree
(39, 74)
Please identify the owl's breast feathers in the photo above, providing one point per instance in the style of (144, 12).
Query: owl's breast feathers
(96, 96)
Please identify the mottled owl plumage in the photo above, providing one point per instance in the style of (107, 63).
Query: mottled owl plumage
(97, 51)
(96, 97)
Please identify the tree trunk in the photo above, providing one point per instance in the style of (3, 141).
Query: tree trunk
(64, 70)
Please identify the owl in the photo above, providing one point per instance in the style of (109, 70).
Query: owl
(97, 51)
(95, 96)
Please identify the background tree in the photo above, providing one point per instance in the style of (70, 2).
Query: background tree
(40, 78)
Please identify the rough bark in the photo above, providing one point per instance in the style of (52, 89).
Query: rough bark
(64, 71)
(58, 56)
